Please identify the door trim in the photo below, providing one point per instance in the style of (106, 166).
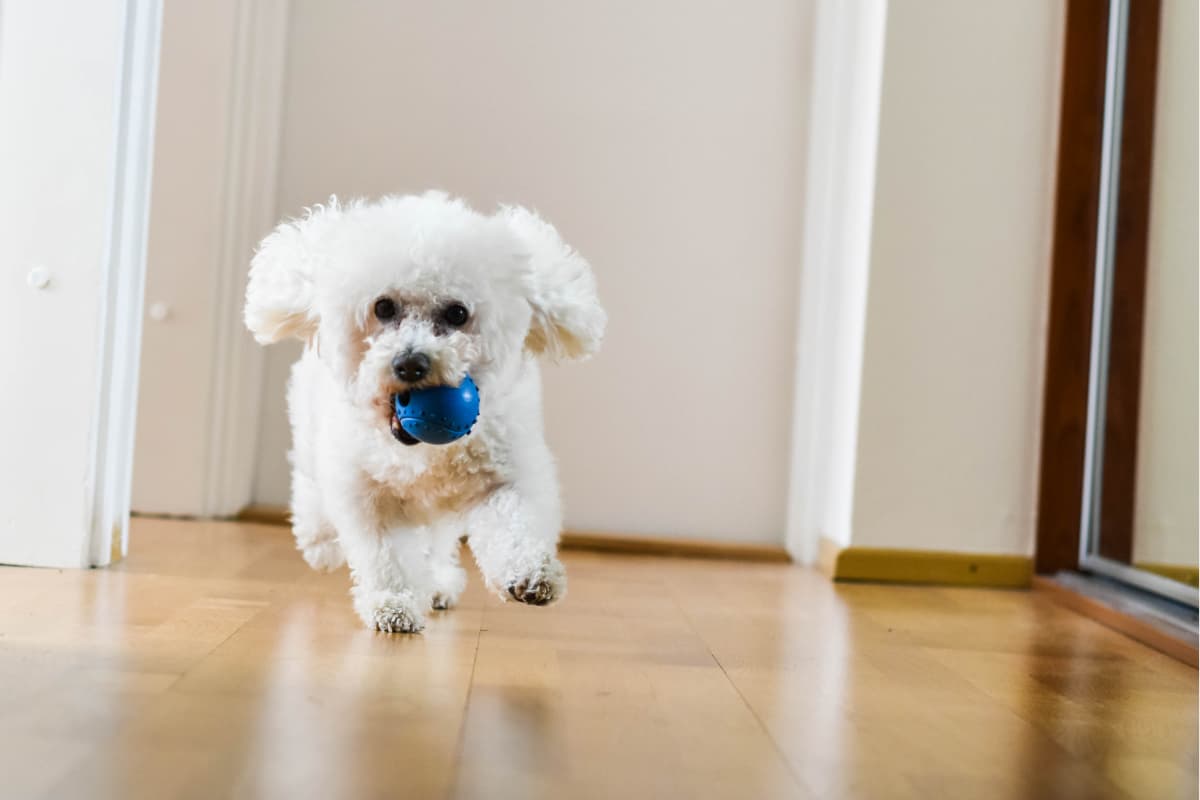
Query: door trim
(248, 207)
(1077, 207)
(121, 288)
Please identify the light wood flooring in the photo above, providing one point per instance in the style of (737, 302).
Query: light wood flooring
(212, 663)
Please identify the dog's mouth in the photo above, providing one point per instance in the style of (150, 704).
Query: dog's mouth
(403, 436)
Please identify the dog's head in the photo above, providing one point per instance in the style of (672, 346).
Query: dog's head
(419, 291)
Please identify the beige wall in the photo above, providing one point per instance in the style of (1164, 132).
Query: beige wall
(213, 197)
(185, 241)
(953, 353)
(1165, 515)
(272, 476)
(665, 140)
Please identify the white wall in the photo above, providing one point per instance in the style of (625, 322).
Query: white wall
(665, 140)
(955, 339)
(1165, 513)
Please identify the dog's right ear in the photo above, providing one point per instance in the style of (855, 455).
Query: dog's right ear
(280, 294)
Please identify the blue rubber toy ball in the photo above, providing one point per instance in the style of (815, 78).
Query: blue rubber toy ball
(438, 415)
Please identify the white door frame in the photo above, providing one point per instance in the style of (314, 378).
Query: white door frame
(77, 101)
(111, 473)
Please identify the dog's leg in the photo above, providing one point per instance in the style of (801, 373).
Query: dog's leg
(514, 537)
(389, 564)
(391, 574)
(449, 579)
(315, 536)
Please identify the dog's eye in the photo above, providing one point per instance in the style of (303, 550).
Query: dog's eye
(456, 314)
(385, 309)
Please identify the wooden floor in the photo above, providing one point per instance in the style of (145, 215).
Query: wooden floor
(213, 663)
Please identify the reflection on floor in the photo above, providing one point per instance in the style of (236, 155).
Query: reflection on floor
(212, 664)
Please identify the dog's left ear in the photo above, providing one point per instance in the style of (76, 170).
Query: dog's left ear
(279, 293)
(568, 322)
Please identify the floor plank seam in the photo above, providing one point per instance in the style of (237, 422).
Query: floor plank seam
(208, 654)
(800, 784)
(460, 745)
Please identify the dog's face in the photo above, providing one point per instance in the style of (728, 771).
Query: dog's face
(412, 292)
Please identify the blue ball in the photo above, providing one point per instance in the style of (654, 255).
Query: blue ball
(438, 415)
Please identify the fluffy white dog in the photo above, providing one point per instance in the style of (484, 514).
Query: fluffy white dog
(402, 294)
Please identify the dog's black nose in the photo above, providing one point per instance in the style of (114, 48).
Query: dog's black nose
(410, 367)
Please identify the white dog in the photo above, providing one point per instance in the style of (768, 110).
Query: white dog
(406, 293)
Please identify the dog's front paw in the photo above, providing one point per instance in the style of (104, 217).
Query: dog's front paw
(390, 613)
(542, 586)
(324, 556)
(396, 619)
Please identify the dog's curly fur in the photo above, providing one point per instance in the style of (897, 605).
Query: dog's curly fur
(395, 512)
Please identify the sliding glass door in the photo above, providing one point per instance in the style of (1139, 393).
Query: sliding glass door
(1138, 520)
